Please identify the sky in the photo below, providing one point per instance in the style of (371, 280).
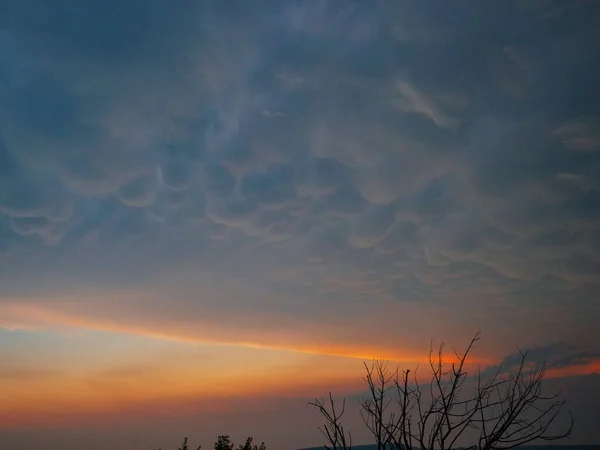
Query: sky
(213, 212)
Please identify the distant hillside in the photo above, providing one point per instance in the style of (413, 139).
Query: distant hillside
(526, 447)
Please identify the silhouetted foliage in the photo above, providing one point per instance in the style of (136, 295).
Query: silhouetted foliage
(248, 445)
(224, 443)
(505, 409)
(184, 446)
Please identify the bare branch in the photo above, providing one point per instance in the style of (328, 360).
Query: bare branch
(506, 409)
(333, 429)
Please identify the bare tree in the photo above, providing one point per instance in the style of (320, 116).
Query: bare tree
(502, 410)
(374, 409)
(333, 430)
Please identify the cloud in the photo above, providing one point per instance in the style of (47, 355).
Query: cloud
(558, 358)
(371, 227)
(580, 135)
(270, 186)
(415, 101)
(352, 162)
(140, 192)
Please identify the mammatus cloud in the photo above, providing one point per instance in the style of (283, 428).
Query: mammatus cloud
(434, 175)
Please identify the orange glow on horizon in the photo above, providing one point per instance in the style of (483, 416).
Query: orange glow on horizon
(287, 369)
(77, 399)
(85, 400)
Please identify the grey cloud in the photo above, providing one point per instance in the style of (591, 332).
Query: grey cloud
(416, 101)
(582, 181)
(321, 176)
(233, 211)
(411, 151)
(218, 181)
(385, 182)
(403, 235)
(23, 198)
(29, 225)
(273, 218)
(174, 199)
(140, 192)
(554, 356)
(177, 175)
(371, 227)
(345, 202)
(272, 185)
(273, 225)
(581, 135)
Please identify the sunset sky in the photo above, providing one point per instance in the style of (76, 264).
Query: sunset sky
(213, 211)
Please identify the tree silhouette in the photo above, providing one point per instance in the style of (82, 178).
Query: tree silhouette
(248, 445)
(224, 443)
(184, 446)
(504, 409)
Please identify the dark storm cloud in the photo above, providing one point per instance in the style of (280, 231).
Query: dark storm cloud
(391, 151)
